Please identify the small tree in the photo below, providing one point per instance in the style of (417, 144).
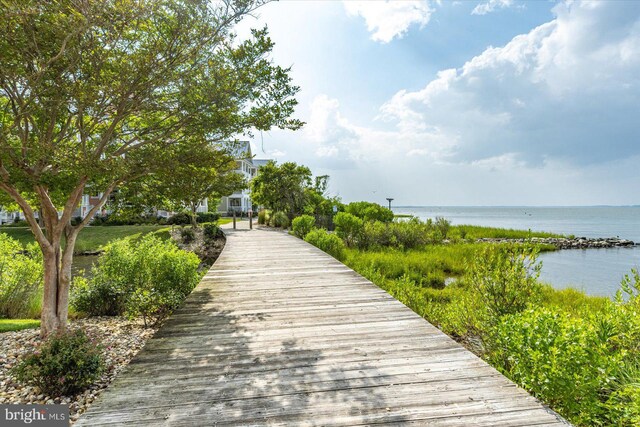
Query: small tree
(281, 187)
(96, 94)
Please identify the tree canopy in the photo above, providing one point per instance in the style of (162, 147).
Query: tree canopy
(98, 94)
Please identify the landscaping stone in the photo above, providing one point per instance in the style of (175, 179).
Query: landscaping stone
(121, 339)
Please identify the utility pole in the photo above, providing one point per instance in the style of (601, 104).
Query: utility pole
(390, 200)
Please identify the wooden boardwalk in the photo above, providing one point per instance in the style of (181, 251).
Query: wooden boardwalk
(279, 333)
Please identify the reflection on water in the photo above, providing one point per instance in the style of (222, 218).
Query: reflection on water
(82, 264)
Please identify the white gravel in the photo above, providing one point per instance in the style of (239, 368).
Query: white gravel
(122, 339)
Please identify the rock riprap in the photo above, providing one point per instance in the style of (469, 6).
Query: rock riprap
(571, 243)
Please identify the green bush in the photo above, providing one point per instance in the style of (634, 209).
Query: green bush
(262, 217)
(558, 358)
(348, 227)
(148, 277)
(505, 279)
(368, 211)
(211, 231)
(442, 225)
(98, 297)
(202, 217)
(280, 220)
(181, 218)
(21, 275)
(187, 234)
(302, 225)
(65, 363)
(329, 243)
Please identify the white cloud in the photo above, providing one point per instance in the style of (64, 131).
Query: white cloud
(490, 6)
(568, 89)
(390, 19)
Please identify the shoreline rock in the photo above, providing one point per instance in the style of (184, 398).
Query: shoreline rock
(574, 243)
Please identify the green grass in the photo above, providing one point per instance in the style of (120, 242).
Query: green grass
(479, 232)
(7, 325)
(225, 221)
(94, 238)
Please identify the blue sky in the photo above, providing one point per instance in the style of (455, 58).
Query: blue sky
(495, 102)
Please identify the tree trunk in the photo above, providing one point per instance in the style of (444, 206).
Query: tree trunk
(50, 319)
(194, 215)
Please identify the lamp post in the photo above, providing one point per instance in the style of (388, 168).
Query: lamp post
(389, 199)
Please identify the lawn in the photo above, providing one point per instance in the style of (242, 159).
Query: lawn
(91, 238)
(7, 325)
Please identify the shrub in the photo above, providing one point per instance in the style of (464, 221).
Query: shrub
(187, 234)
(148, 277)
(348, 227)
(505, 279)
(262, 217)
(64, 364)
(302, 225)
(202, 217)
(98, 298)
(211, 231)
(369, 211)
(181, 218)
(21, 276)
(411, 234)
(442, 225)
(556, 357)
(280, 220)
(329, 243)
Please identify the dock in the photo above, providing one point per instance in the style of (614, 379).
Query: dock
(278, 333)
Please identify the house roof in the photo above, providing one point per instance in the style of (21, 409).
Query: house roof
(241, 150)
(261, 162)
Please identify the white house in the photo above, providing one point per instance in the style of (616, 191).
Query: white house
(240, 201)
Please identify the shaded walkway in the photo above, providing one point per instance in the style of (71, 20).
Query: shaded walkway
(279, 333)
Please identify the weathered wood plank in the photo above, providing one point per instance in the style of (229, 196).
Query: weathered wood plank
(280, 334)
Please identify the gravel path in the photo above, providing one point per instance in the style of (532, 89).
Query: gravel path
(122, 339)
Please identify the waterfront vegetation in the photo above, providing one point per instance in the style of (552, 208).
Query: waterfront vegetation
(579, 354)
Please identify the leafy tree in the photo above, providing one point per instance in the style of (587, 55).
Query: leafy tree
(97, 94)
(281, 187)
(369, 211)
(197, 175)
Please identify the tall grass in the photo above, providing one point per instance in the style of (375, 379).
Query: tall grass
(480, 232)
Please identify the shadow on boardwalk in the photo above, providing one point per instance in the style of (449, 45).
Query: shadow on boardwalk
(203, 368)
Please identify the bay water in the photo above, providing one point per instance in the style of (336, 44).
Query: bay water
(595, 271)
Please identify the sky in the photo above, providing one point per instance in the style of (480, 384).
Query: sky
(462, 103)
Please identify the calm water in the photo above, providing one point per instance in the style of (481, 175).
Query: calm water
(596, 271)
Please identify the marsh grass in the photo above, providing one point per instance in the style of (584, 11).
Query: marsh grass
(480, 232)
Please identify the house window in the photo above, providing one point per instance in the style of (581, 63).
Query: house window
(234, 203)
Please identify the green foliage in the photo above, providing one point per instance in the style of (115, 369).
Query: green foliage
(180, 218)
(474, 232)
(65, 363)
(442, 225)
(348, 227)
(557, 357)
(281, 187)
(505, 279)
(368, 211)
(187, 234)
(328, 242)
(211, 231)
(302, 225)
(280, 220)
(20, 278)
(8, 325)
(263, 216)
(203, 217)
(148, 277)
